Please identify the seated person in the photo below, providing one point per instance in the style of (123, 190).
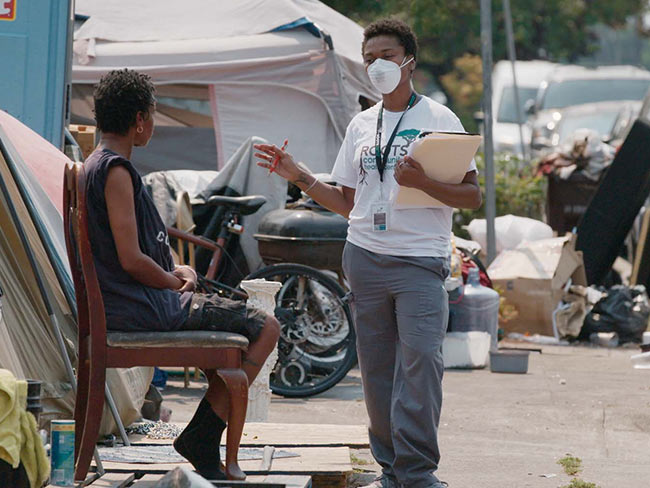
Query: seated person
(142, 288)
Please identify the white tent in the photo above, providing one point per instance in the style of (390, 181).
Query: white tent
(36, 300)
(274, 69)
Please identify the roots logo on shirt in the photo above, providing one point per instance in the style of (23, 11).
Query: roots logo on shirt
(409, 135)
(368, 161)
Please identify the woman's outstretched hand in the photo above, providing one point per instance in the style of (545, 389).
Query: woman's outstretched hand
(286, 167)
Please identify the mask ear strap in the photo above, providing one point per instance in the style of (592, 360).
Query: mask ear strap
(405, 63)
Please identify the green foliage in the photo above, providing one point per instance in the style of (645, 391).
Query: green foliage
(464, 84)
(518, 192)
(578, 483)
(558, 30)
(447, 30)
(572, 465)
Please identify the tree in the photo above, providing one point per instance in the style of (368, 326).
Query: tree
(558, 30)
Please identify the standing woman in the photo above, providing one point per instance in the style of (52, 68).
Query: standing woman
(396, 260)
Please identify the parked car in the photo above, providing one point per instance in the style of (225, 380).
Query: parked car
(604, 118)
(530, 75)
(644, 113)
(626, 117)
(578, 85)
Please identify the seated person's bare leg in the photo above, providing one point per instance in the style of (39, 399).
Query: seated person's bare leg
(258, 351)
(199, 442)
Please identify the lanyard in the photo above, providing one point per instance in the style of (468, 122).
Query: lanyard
(381, 161)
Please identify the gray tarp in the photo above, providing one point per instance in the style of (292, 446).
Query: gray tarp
(241, 174)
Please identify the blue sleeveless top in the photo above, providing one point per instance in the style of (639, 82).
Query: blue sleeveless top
(130, 305)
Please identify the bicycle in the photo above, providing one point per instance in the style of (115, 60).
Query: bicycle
(317, 346)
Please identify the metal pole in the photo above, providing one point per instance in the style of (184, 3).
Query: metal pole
(488, 149)
(513, 57)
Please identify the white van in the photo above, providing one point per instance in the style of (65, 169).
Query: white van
(578, 85)
(530, 75)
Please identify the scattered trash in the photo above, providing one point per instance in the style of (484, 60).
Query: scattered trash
(622, 309)
(550, 475)
(646, 338)
(537, 339)
(604, 339)
(182, 476)
(165, 413)
(533, 277)
(577, 302)
(510, 230)
(562, 381)
(641, 361)
(155, 430)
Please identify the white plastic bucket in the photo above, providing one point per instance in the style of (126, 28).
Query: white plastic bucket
(466, 350)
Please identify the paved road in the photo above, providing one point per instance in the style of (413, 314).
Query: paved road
(508, 431)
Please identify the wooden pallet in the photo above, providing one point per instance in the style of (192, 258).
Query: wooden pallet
(270, 481)
(325, 467)
(124, 480)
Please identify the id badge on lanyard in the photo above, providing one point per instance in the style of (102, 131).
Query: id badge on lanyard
(381, 210)
(380, 215)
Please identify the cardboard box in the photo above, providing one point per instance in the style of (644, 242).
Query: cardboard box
(85, 137)
(532, 277)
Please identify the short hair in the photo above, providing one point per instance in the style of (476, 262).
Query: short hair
(396, 28)
(119, 96)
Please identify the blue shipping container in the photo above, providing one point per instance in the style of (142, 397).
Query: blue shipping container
(35, 47)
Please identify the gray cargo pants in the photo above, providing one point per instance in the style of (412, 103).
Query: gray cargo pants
(400, 309)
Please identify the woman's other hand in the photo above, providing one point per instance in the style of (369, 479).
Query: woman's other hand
(188, 276)
(408, 172)
(286, 167)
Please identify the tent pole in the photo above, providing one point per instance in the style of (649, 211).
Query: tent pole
(513, 58)
(41, 286)
(62, 282)
(41, 289)
(488, 148)
(116, 416)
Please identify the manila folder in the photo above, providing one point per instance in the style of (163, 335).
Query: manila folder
(445, 157)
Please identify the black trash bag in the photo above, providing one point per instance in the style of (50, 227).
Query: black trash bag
(623, 310)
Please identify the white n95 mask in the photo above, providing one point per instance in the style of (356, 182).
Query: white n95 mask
(385, 75)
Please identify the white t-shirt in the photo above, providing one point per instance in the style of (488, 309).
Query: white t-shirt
(412, 231)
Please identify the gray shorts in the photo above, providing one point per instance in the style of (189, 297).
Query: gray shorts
(212, 312)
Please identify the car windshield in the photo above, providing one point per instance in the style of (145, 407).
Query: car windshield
(578, 92)
(602, 122)
(507, 110)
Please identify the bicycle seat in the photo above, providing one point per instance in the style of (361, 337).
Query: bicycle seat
(246, 205)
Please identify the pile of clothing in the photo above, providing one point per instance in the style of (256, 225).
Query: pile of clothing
(20, 444)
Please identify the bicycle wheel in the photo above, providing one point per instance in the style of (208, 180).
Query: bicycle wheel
(317, 345)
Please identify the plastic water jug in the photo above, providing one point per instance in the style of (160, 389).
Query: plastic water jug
(476, 310)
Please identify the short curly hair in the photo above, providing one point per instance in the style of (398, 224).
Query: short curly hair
(392, 27)
(119, 96)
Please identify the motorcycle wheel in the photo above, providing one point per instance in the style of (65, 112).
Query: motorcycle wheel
(317, 345)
